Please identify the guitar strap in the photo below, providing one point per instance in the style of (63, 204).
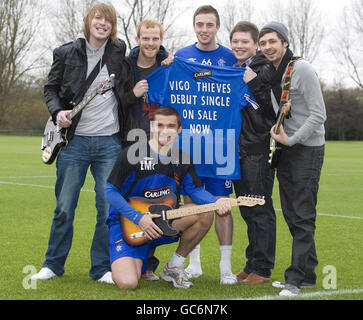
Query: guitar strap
(287, 83)
(96, 70)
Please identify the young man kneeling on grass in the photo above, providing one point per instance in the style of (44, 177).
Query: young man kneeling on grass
(162, 171)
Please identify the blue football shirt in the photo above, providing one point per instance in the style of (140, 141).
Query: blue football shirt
(222, 56)
(209, 100)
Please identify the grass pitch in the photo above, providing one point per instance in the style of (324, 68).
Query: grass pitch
(26, 209)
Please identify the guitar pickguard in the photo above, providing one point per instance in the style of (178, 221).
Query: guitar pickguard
(162, 222)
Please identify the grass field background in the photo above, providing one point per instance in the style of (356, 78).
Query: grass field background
(26, 209)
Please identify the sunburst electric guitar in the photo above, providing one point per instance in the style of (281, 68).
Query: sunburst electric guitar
(54, 137)
(135, 237)
(275, 150)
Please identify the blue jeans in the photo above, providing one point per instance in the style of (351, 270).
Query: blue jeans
(99, 154)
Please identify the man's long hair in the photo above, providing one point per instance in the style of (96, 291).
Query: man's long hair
(105, 10)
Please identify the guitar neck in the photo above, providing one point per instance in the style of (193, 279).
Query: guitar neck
(189, 211)
(81, 105)
(279, 122)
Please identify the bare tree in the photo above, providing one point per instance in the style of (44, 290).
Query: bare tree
(18, 28)
(234, 12)
(303, 19)
(132, 12)
(67, 19)
(349, 41)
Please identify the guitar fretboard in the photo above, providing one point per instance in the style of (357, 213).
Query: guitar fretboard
(188, 211)
(81, 105)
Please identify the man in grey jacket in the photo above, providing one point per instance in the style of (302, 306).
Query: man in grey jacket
(302, 137)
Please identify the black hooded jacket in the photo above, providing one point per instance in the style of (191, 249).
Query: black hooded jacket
(256, 124)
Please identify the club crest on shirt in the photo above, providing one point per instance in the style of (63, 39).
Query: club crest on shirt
(228, 183)
(221, 62)
(147, 164)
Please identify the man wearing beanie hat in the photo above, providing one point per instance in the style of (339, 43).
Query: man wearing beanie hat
(302, 137)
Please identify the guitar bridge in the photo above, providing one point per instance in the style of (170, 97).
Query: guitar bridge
(137, 235)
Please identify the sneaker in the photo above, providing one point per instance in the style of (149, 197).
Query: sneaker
(106, 278)
(193, 272)
(177, 276)
(289, 291)
(228, 278)
(281, 284)
(150, 276)
(43, 274)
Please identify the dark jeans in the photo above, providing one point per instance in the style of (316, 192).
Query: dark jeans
(298, 173)
(257, 179)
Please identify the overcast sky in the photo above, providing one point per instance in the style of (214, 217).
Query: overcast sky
(325, 64)
(330, 12)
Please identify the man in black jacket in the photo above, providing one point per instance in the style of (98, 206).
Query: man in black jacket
(93, 135)
(142, 61)
(257, 176)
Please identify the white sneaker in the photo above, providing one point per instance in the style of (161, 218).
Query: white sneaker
(279, 284)
(289, 291)
(43, 274)
(228, 278)
(177, 276)
(193, 272)
(106, 278)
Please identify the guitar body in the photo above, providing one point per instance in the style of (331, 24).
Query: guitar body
(275, 148)
(275, 152)
(53, 140)
(132, 234)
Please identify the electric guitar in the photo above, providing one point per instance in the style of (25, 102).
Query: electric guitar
(275, 150)
(135, 237)
(54, 137)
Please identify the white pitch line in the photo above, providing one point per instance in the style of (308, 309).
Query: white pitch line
(37, 186)
(88, 190)
(26, 177)
(332, 215)
(339, 216)
(310, 294)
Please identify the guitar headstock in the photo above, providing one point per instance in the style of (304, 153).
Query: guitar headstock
(106, 85)
(250, 201)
